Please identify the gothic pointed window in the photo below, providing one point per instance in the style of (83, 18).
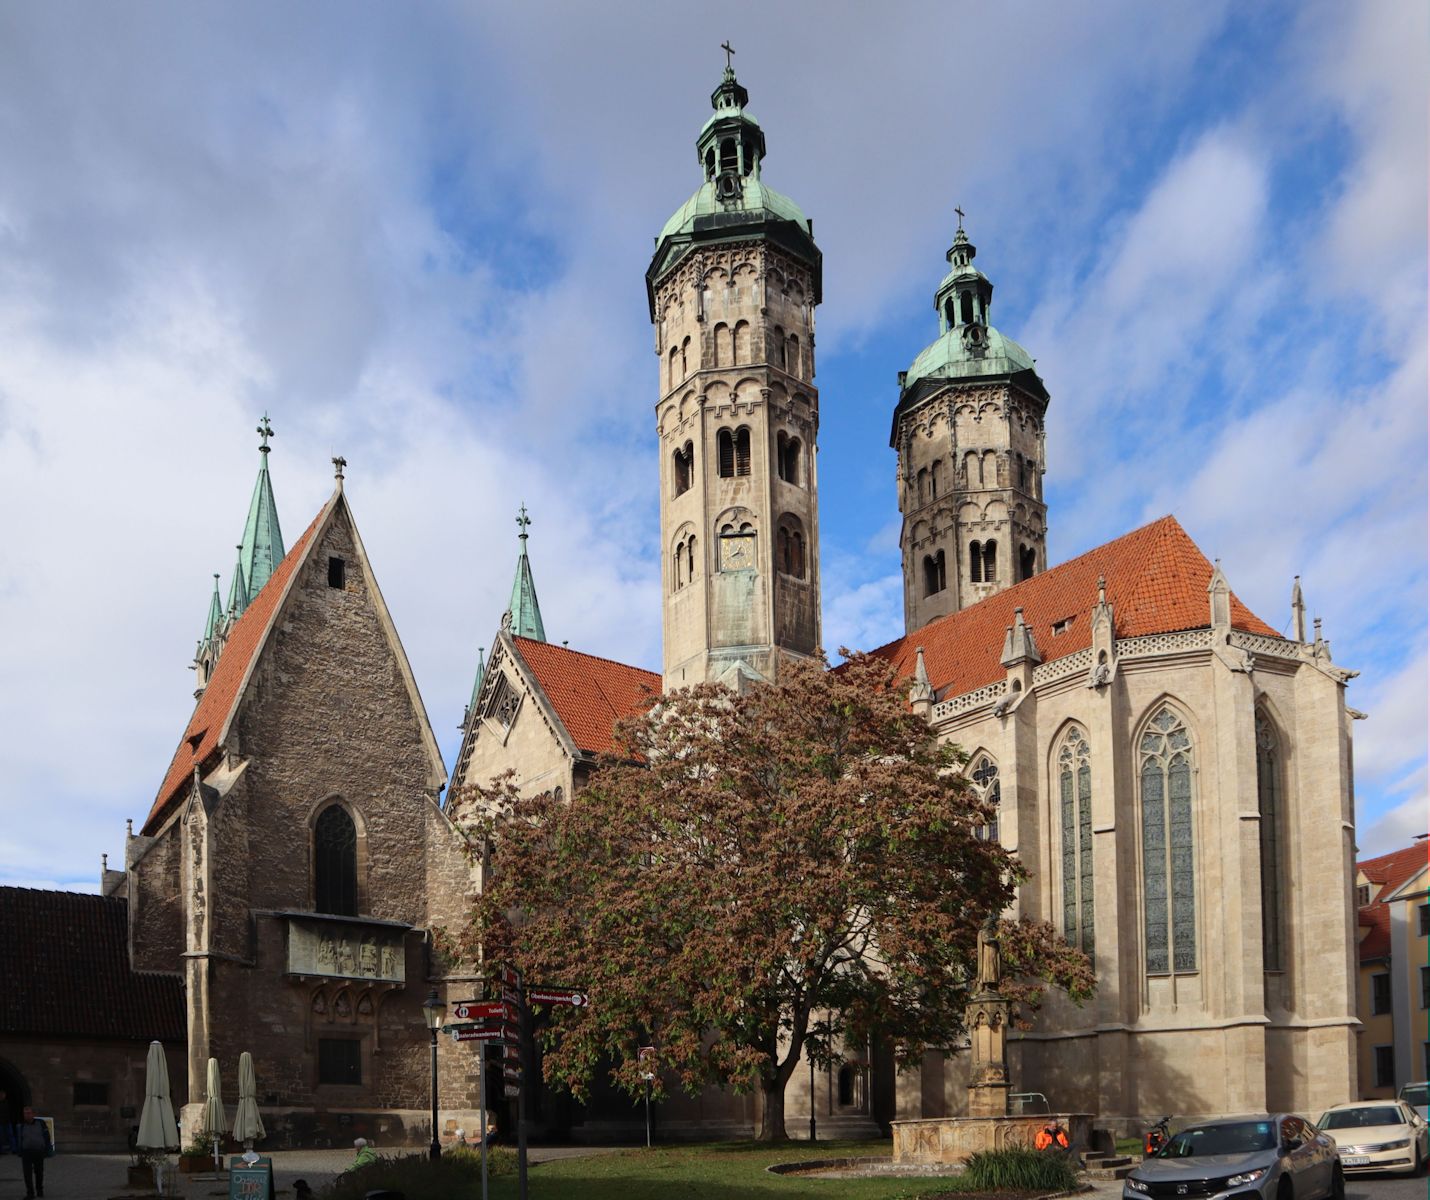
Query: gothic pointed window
(1075, 800)
(1268, 795)
(984, 777)
(1168, 884)
(335, 862)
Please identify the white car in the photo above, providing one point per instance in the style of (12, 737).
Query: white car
(1378, 1135)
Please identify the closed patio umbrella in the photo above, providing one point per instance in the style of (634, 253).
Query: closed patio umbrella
(247, 1124)
(214, 1123)
(158, 1131)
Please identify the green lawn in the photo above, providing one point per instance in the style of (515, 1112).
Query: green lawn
(722, 1171)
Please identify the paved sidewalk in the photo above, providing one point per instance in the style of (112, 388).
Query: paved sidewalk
(104, 1176)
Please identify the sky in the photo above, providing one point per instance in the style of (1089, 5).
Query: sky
(416, 236)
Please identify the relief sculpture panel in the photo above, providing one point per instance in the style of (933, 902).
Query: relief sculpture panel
(341, 951)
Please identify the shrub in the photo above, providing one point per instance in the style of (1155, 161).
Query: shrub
(1019, 1169)
(457, 1175)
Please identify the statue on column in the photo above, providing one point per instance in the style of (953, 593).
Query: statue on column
(990, 956)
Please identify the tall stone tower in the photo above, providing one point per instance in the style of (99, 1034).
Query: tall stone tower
(969, 434)
(733, 287)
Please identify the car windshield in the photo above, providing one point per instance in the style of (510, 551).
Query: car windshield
(1418, 1094)
(1239, 1137)
(1362, 1118)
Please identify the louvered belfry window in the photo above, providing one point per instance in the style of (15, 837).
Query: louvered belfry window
(1075, 792)
(335, 862)
(1168, 885)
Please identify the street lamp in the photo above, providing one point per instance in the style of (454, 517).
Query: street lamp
(433, 1010)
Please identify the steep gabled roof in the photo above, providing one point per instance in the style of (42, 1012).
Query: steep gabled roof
(1386, 873)
(220, 699)
(1156, 583)
(65, 957)
(588, 694)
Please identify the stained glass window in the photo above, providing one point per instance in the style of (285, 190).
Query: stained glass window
(335, 862)
(1168, 879)
(1268, 795)
(1075, 794)
(985, 786)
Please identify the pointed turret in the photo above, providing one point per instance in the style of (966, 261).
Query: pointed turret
(1298, 612)
(477, 686)
(523, 613)
(215, 617)
(262, 546)
(238, 596)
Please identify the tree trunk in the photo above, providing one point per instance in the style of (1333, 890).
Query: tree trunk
(772, 1119)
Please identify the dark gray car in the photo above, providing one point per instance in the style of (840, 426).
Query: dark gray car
(1273, 1157)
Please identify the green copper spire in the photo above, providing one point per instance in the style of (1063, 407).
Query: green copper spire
(238, 596)
(262, 546)
(523, 614)
(215, 617)
(477, 686)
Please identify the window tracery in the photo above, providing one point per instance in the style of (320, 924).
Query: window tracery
(984, 777)
(1168, 883)
(335, 862)
(1268, 796)
(1075, 795)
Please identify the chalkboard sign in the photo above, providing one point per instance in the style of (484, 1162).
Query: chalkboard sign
(250, 1181)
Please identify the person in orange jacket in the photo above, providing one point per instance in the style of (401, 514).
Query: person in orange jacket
(1051, 1136)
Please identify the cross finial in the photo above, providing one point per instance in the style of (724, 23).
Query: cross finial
(729, 52)
(522, 521)
(265, 431)
(959, 211)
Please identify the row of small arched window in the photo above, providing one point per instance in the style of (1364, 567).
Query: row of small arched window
(732, 455)
(982, 565)
(1166, 760)
(731, 346)
(980, 469)
(737, 545)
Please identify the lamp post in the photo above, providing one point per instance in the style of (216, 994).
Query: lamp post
(811, 1097)
(433, 1010)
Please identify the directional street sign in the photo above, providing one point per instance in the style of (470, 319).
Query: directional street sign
(510, 1091)
(475, 1033)
(476, 1010)
(556, 995)
(511, 1071)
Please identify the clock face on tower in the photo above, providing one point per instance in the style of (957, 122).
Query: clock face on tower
(737, 552)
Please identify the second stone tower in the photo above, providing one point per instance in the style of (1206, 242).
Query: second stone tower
(732, 287)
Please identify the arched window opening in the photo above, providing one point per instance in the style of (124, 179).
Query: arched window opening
(796, 367)
(1075, 794)
(781, 349)
(729, 157)
(787, 456)
(335, 862)
(965, 303)
(724, 346)
(1268, 795)
(987, 790)
(972, 471)
(975, 563)
(846, 1085)
(725, 450)
(742, 342)
(789, 547)
(934, 574)
(685, 358)
(1027, 562)
(684, 468)
(923, 485)
(936, 478)
(782, 549)
(990, 561)
(990, 469)
(673, 379)
(710, 163)
(690, 558)
(677, 569)
(797, 546)
(742, 450)
(1168, 886)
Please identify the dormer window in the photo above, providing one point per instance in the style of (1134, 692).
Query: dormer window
(1060, 627)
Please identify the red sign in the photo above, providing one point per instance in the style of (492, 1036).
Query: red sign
(477, 1033)
(513, 1052)
(511, 1071)
(479, 1010)
(511, 975)
(555, 995)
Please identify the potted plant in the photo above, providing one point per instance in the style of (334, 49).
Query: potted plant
(197, 1156)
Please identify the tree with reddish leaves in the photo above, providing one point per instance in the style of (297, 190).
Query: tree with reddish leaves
(754, 878)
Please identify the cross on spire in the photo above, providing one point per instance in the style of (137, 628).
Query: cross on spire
(265, 431)
(959, 211)
(729, 53)
(522, 521)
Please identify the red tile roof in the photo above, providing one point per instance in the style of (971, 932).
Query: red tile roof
(1156, 583)
(64, 957)
(211, 714)
(1386, 872)
(589, 694)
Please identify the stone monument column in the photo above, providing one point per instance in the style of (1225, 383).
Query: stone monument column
(987, 1020)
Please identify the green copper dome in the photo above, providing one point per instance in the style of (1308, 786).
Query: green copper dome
(755, 200)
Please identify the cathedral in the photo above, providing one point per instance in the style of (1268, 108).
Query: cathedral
(1175, 776)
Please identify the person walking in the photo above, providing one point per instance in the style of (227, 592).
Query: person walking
(32, 1137)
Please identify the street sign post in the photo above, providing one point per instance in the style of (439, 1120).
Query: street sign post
(481, 1010)
(646, 1057)
(557, 995)
(477, 1033)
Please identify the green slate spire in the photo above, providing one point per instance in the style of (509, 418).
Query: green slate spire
(238, 596)
(215, 617)
(523, 613)
(262, 547)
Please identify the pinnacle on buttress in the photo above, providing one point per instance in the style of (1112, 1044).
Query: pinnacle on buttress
(1298, 612)
(523, 613)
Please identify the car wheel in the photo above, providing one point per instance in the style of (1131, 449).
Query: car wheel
(1419, 1168)
(1338, 1183)
(1284, 1190)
